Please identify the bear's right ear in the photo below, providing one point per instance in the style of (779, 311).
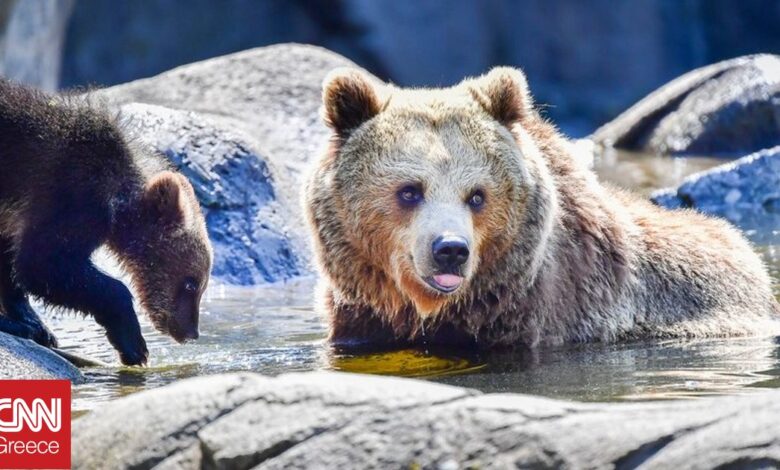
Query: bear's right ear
(349, 99)
(164, 199)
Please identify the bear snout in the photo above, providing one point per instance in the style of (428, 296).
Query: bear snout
(183, 326)
(182, 335)
(450, 252)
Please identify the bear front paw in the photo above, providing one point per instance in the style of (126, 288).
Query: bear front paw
(137, 355)
(131, 348)
(39, 333)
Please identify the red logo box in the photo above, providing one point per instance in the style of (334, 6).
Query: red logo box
(34, 424)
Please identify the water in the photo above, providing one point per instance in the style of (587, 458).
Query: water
(272, 330)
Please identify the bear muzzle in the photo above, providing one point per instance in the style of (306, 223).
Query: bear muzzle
(450, 253)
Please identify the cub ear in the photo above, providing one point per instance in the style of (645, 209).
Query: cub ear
(503, 93)
(165, 201)
(349, 99)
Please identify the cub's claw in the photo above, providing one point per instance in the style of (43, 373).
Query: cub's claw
(132, 348)
(41, 335)
(134, 358)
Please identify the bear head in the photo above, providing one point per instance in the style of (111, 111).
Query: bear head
(168, 255)
(422, 191)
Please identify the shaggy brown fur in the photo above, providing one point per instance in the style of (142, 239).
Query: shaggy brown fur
(71, 183)
(554, 255)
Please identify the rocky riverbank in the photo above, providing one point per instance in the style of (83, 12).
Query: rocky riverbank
(335, 420)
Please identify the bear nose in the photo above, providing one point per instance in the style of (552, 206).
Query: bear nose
(450, 251)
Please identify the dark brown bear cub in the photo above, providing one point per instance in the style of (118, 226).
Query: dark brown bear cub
(69, 184)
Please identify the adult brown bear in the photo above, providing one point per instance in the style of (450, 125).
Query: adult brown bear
(459, 214)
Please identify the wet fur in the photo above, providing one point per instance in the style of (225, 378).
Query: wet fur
(70, 183)
(564, 259)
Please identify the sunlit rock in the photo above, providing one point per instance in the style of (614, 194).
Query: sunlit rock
(741, 191)
(24, 359)
(335, 420)
(730, 108)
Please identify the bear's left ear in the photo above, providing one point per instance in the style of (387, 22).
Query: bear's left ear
(503, 93)
(164, 199)
(349, 99)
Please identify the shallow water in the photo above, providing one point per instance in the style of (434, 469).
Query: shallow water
(273, 330)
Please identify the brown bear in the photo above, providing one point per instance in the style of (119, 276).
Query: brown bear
(460, 215)
(70, 183)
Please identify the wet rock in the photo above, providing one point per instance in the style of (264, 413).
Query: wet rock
(728, 108)
(24, 359)
(336, 420)
(242, 128)
(738, 190)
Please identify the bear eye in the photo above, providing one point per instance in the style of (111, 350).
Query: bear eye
(410, 195)
(477, 200)
(190, 286)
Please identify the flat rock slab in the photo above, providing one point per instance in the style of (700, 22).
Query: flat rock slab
(336, 420)
(24, 359)
(243, 128)
(731, 108)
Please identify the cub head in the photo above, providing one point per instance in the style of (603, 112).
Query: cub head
(427, 185)
(169, 255)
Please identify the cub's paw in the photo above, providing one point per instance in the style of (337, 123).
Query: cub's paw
(35, 332)
(39, 333)
(134, 358)
(132, 349)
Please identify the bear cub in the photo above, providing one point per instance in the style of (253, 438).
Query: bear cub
(460, 215)
(70, 183)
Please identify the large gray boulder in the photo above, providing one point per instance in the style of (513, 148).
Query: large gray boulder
(243, 128)
(730, 108)
(336, 420)
(24, 359)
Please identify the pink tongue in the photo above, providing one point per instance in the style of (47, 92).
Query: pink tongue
(447, 280)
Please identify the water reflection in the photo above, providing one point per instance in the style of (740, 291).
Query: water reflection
(644, 173)
(405, 363)
(631, 371)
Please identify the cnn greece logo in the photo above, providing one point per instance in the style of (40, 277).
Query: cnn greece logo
(34, 424)
(35, 416)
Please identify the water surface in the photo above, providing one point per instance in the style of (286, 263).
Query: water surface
(273, 330)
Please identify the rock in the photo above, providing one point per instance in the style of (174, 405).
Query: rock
(739, 190)
(728, 108)
(243, 128)
(336, 420)
(255, 228)
(24, 359)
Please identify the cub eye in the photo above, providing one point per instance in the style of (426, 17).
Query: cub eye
(477, 200)
(410, 195)
(190, 286)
